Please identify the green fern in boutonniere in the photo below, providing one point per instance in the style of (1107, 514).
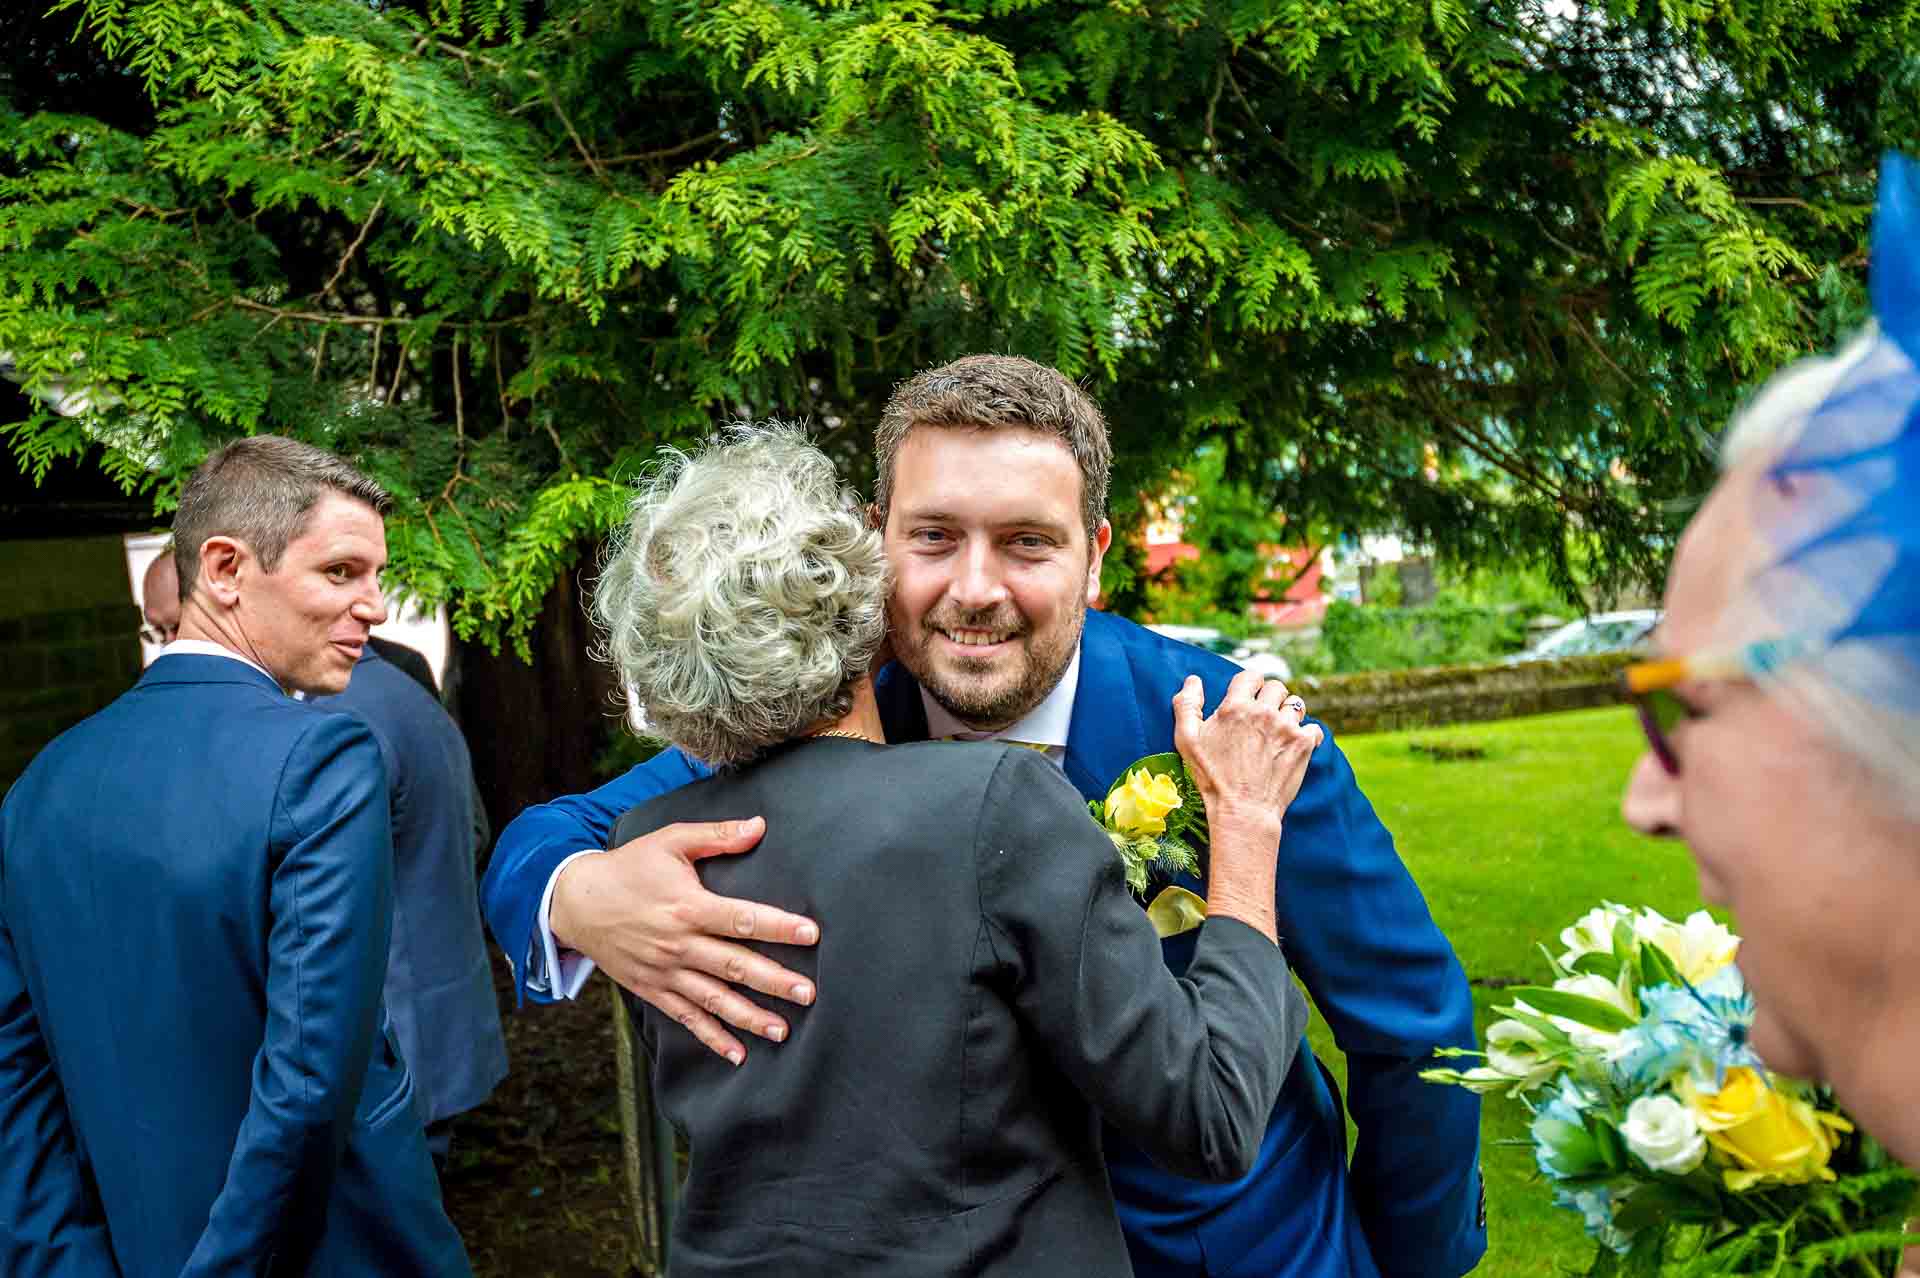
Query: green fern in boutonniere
(1157, 821)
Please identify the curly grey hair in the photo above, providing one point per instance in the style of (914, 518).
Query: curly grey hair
(745, 596)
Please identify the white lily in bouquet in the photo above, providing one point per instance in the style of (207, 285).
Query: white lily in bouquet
(1653, 1118)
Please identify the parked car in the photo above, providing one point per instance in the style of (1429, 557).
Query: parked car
(1270, 665)
(1602, 632)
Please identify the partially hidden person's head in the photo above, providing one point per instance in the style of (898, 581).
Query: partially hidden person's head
(744, 598)
(992, 488)
(160, 599)
(279, 547)
(1784, 713)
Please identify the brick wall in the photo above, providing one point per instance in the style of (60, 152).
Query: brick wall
(69, 640)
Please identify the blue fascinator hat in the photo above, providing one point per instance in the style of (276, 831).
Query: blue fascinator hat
(1841, 503)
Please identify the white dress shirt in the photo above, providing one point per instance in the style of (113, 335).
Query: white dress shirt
(206, 648)
(1045, 725)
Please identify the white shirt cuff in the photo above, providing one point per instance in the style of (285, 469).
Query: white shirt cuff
(548, 970)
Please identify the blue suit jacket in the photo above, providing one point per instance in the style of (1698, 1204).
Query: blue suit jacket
(1356, 930)
(439, 989)
(195, 895)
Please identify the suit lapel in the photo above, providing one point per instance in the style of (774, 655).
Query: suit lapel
(1107, 731)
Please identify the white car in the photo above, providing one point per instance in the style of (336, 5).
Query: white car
(1602, 632)
(1270, 665)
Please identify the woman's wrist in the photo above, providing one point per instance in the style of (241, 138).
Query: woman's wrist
(1254, 827)
(1241, 871)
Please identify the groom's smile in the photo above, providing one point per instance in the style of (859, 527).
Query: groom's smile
(993, 569)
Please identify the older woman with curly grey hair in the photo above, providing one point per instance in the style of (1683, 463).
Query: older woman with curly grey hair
(745, 599)
(988, 988)
(1783, 717)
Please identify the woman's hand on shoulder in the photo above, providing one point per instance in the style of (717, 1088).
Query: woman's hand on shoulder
(1249, 757)
(641, 913)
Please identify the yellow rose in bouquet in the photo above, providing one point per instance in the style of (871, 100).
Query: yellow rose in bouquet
(1140, 804)
(1767, 1131)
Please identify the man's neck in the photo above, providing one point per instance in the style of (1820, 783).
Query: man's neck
(198, 625)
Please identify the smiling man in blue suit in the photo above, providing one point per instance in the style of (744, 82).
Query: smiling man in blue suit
(195, 898)
(993, 488)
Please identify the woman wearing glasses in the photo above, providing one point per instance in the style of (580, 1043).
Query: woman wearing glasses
(1784, 715)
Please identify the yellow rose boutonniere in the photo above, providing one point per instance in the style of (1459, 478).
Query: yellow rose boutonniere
(1765, 1132)
(1140, 804)
(1157, 821)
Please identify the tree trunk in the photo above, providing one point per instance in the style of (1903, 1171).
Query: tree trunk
(535, 729)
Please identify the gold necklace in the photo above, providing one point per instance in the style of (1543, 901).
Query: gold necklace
(851, 736)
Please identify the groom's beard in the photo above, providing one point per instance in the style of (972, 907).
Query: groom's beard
(992, 692)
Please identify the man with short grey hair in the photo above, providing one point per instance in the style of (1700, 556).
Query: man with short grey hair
(993, 481)
(195, 899)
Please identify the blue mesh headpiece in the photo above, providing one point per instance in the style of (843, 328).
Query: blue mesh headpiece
(1844, 505)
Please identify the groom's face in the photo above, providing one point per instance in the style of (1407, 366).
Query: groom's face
(993, 568)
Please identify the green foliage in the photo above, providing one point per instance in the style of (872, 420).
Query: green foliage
(1526, 587)
(1373, 637)
(1236, 532)
(1482, 274)
(1385, 587)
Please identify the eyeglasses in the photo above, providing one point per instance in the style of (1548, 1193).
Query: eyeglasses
(1650, 685)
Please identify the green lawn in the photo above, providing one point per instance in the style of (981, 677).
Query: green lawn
(1509, 849)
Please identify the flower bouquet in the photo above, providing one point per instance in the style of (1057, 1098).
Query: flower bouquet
(1653, 1118)
(1157, 821)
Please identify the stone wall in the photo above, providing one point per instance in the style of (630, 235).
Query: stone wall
(69, 640)
(1387, 700)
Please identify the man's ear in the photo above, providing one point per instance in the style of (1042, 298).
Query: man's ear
(1096, 552)
(222, 561)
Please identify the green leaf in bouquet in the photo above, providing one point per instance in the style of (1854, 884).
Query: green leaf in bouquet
(1664, 1201)
(1578, 1008)
(1886, 1192)
(1624, 943)
(1657, 968)
(1560, 970)
(1597, 964)
(1883, 1245)
(1555, 1036)
(1568, 1149)
(1606, 1139)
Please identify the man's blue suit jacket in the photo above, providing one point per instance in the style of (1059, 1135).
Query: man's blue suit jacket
(195, 895)
(1354, 927)
(439, 990)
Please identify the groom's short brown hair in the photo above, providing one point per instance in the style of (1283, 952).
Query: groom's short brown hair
(992, 392)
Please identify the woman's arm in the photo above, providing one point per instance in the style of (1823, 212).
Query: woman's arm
(1189, 1067)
